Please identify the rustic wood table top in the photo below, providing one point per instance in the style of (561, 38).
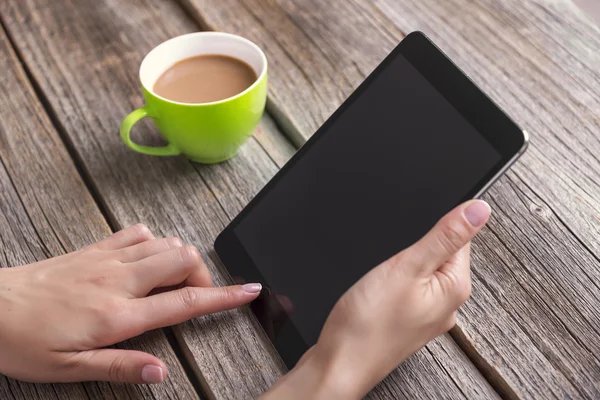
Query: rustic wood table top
(70, 74)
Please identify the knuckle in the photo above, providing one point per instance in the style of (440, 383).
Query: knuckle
(188, 297)
(117, 370)
(458, 288)
(87, 249)
(110, 308)
(190, 255)
(141, 231)
(226, 296)
(102, 325)
(452, 236)
(206, 276)
(174, 243)
(105, 314)
(73, 360)
(228, 293)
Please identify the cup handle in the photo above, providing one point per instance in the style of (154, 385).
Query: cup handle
(127, 124)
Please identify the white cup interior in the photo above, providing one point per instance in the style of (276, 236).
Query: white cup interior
(162, 57)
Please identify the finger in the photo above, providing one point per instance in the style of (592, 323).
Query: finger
(127, 237)
(455, 278)
(148, 248)
(169, 268)
(179, 305)
(448, 236)
(114, 365)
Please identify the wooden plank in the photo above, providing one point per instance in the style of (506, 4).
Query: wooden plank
(45, 211)
(532, 314)
(233, 357)
(530, 322)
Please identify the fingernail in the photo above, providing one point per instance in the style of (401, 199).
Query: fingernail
(477, 213)
(152, 374)
(252, 287)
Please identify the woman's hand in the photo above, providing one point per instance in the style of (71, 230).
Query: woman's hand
(390, 313)
(56, 316)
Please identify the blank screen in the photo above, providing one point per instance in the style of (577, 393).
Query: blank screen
(397, 159)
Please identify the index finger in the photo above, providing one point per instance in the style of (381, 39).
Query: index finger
(176, 306)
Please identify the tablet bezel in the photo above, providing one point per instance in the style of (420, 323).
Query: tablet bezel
(460, 91)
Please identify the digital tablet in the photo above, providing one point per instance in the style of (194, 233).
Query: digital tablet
(416, 139)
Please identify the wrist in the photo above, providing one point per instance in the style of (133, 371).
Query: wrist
(333, 376)
(319, 375)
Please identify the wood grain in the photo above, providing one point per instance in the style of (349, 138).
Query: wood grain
(90, 90)
(532, 321)
(46, 210)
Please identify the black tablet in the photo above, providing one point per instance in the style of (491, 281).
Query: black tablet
(416, 139)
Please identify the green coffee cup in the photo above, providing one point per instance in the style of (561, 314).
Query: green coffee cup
(205, 132)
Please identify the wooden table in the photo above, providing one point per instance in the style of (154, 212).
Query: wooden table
(69, 76)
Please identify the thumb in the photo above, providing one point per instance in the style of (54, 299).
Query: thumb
(116, 365)
(448, 236)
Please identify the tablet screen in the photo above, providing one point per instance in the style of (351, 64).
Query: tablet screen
(377, 179)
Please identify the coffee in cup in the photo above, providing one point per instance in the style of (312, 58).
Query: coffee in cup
(204, 79)
(205, 92)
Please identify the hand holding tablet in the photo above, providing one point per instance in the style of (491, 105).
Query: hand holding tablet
(390, 313)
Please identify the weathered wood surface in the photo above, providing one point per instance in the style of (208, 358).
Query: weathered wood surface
(533, 320)
(85, 60)
(45, 211)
